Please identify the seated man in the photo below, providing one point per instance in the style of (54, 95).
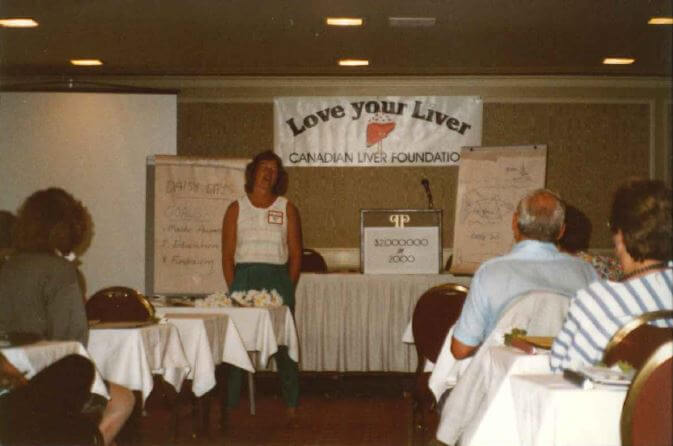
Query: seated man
(534, 263)
(640, 221)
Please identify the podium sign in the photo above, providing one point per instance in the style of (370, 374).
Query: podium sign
(400, 241)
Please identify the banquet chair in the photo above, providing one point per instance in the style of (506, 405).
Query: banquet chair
(312, 261)
(646, 414)
(436, 311)
(636, 340)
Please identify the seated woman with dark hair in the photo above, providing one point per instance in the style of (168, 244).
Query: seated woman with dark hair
(640, 221)
(575, 241)
(39, 288)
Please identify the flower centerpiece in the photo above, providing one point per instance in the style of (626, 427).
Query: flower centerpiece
(218, 299)
(251, 298)
(257, 298)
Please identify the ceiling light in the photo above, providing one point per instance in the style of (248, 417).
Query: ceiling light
(353, 62)
(618, 61)
(344, 21)
(660, 21)
(411, 22)
(86, 62)
(18, 23)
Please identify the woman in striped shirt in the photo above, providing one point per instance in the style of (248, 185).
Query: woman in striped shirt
(640, 221)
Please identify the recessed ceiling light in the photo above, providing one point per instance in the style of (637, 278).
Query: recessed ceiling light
(86, 62)
(660, 21)
(353, 62)
(344, 21)
(411, 22)
(18, 23)
(618, 61)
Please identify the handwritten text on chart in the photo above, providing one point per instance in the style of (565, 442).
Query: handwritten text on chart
(483, 236)
(222, 190)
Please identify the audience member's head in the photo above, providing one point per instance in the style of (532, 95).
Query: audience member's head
(539, 216)
(251, 170)
(50, 220)
(577, 233)
(641, 212)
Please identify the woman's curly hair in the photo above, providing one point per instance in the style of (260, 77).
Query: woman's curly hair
(251, 169)
(642, 211)
(50, 220)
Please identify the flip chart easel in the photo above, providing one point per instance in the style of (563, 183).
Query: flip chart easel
(491, 181)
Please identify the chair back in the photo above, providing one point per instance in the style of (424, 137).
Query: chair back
(539, 312)
(436, 311)
(636, 340)
(117, 304)
(312, 261)
(646, 415)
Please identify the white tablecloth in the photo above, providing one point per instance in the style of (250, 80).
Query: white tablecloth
(208, 340)
(32, 358)
(494, 423)
(551, 411)
(353, 322)
(262, 329)
(130, 356)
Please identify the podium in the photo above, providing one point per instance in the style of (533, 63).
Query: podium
(400, 241)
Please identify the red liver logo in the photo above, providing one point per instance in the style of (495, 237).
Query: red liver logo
(376, 131)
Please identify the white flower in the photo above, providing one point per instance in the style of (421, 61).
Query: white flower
(241, 298)
(252, 298)
(276, 299)
(218, 299)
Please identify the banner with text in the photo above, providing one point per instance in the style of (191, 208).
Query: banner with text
(376, 131)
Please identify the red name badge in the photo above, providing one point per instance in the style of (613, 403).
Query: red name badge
(275, 217)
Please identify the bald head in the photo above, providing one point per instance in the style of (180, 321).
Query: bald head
(540, 216)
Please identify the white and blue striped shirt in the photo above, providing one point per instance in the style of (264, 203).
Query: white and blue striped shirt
(597, 312)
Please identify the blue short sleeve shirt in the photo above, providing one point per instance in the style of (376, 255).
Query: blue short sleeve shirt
(530, 265)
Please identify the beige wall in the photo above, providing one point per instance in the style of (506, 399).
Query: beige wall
(95, 147)
(598, 132)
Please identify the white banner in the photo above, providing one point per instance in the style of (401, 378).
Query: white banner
(376, 131)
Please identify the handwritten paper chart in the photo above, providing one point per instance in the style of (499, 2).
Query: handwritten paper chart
(190, 198)
(491, 181)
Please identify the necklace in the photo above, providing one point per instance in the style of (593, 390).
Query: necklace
(660, 265)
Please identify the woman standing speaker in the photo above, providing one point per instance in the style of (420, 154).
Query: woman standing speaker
(262, 249)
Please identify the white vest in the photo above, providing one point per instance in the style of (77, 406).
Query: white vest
(261, 233)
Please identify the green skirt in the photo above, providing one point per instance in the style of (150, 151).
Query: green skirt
(258, 276)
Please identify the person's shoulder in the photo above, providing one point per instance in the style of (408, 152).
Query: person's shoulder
(492, 268)
(497, 261)
(40, 261)
(233, 208)
(286, 204)
(575, 260)
(290, 206)
(600, 289)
